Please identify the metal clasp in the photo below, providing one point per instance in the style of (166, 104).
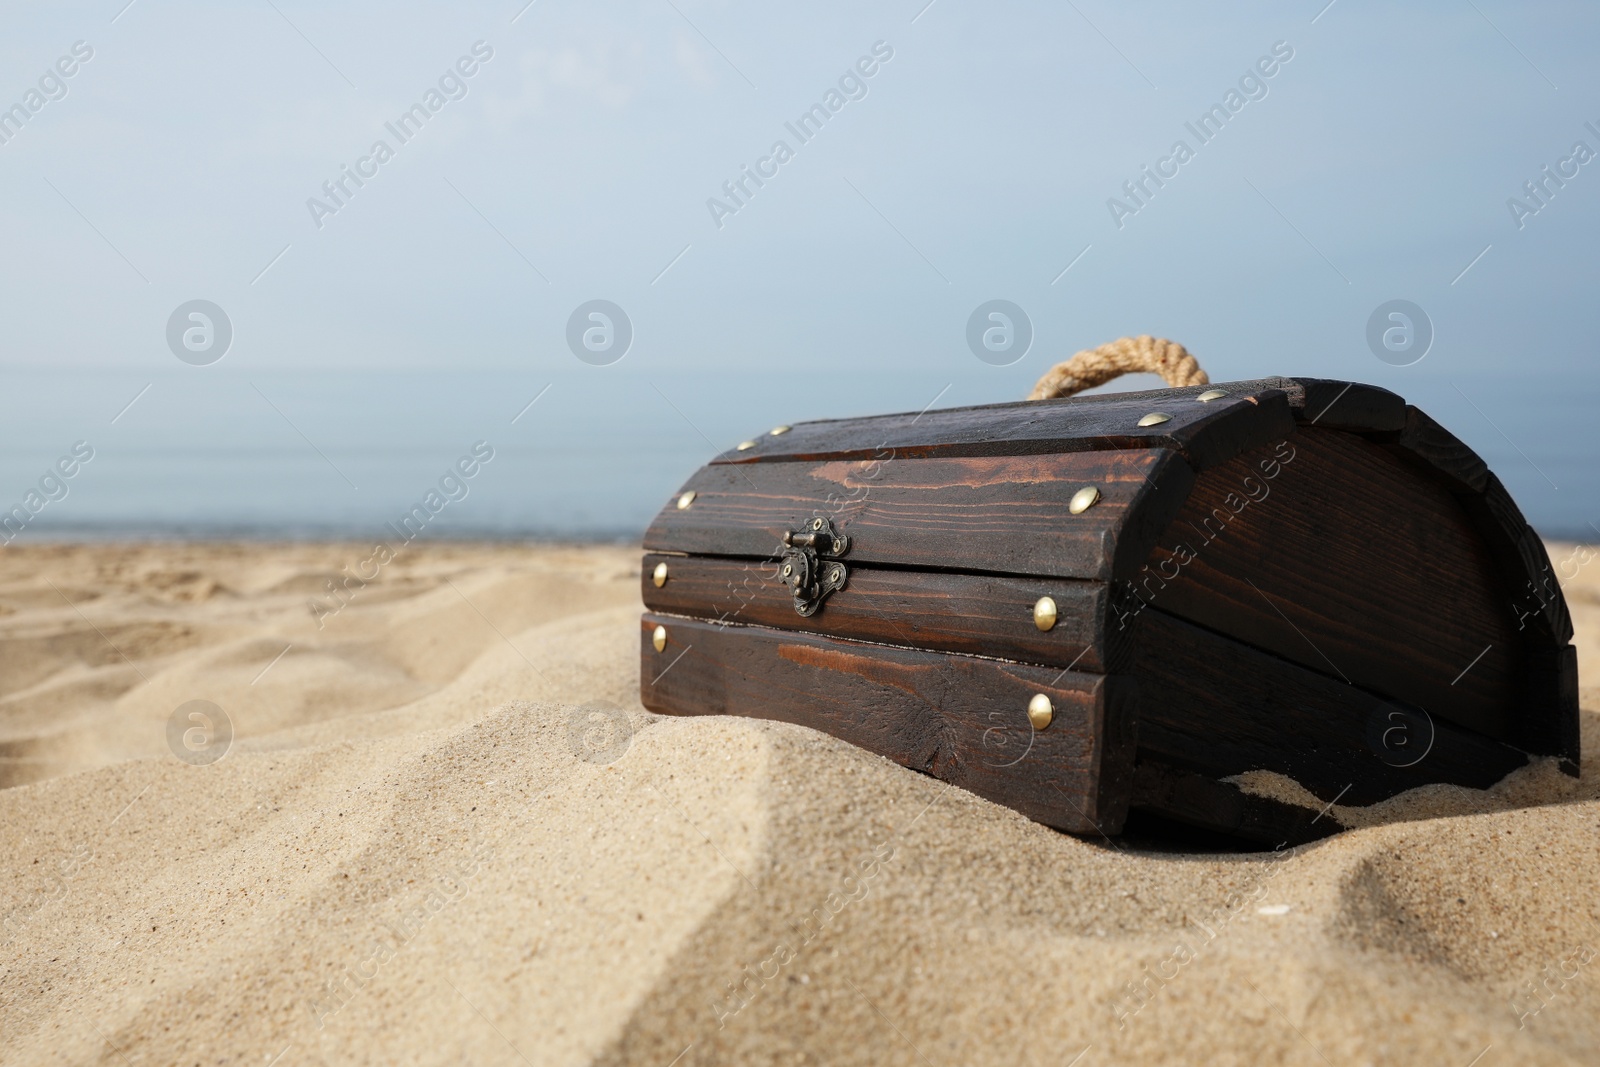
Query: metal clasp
(810, 567)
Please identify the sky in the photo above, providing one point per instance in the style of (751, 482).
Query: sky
(376, 332)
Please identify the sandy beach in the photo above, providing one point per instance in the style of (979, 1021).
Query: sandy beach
(445, 831)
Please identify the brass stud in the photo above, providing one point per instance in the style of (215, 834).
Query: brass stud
(816, 524)
(745, 446)
(838, 574)
(1211, 394)
(1044, 613)
(659, 639)
(1155, 418)
(660, 576)
(1040, 711)
(1083, 500)
(776, 430)
(788, 569)
(685, 500)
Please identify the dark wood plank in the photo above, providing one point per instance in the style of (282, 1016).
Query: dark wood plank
(997, 515)
(1548, 723)
(1537, 602)
(1196, 800)
(1218, 708)
(1339, 405)
(1442, 453)
(1547, 701)
(1205, 433)
(958, 718)
(1546, 707)
(1351, 565)
(968, 613)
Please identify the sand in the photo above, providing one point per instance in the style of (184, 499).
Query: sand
(446, 832)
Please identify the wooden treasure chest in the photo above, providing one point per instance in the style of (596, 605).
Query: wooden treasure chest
(1085, 607)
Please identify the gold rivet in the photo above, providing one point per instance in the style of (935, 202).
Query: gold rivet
(1040, 711)
(745, 446)
(776, 430)
(660, 576)
(1083, 500)
(1155, 418)
(659, 639)
(685, 500)
(1211, 394)
(1044, 613)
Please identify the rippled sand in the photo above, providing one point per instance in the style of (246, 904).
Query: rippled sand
(446, 832)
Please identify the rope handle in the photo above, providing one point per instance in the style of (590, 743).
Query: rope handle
(1096, 366)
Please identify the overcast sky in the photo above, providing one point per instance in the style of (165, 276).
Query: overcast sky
(578, 152)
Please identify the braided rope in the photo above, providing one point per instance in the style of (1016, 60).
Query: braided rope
(1096, 366)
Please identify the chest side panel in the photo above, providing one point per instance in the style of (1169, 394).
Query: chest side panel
(1220, 708)
(1327, 552)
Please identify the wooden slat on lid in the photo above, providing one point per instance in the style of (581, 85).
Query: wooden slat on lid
(994, 515)
(1444, 455)
(1205, 433)
(1338, 405)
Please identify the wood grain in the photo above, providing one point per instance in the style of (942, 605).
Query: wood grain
(1545, 715)
(958, 718)
(1339, 562)
(1351, 566)
(1442, 453)
(968, 613)
(1205, 433)
(1538, 604)
(1339, 405)
(995, 515)
(1212, 706)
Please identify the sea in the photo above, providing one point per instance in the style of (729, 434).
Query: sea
(576, 456)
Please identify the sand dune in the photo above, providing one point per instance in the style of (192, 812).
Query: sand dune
(447, 833)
